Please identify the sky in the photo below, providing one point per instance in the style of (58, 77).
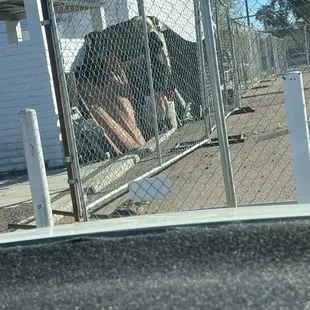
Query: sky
(254, 5)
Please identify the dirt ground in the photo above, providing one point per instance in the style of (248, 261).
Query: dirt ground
(262, 165)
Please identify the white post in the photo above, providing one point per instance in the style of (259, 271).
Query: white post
(36, 169)
(299, 135)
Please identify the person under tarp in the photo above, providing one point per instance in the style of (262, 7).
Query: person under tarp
(108, 101)
(162, 76)
(113, 82)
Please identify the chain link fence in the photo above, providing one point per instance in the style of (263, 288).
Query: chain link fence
(297, 38)
(141, 100)
(263, 170)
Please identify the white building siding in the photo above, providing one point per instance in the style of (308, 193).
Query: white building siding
(26, 82)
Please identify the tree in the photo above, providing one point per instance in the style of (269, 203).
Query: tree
(275, 17)
(299, 8)
(283, 13)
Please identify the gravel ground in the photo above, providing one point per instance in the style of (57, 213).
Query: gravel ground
(14, 215)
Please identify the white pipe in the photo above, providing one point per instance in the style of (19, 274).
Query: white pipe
(296, 115)
(36, 169)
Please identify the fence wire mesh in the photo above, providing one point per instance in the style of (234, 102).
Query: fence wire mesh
(263, 165)
(124, 130)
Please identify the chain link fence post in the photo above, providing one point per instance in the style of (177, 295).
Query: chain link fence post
(202, 68)
(60, 108)
(306, 44)
(152, 100)
(67, 114)
(236, 73)
(219, 53)
(218, 103)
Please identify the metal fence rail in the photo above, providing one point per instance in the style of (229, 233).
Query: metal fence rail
(140, 92)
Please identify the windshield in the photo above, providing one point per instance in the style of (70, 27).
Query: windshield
(154, 154)
(152, 113)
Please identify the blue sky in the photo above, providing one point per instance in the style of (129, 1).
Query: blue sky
(254, 5)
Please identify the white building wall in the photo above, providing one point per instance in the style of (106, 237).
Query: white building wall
(26, 82)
